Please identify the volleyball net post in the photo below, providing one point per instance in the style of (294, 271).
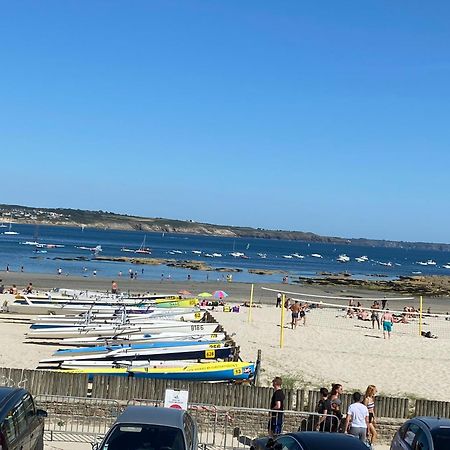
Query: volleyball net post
(420, 314)
(251, 305)
(283, 300)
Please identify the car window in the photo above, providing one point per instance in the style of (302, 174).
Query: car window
(410, 433)
(421, 441)
(9, 428)
(20, 418)
(441, 438)
(144, 437)
(288, 443)
(28, 404)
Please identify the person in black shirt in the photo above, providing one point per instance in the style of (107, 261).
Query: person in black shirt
(277, 408)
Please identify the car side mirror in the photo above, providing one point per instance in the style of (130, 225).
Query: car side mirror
(41, 413)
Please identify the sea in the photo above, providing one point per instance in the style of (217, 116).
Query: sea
(259, 254)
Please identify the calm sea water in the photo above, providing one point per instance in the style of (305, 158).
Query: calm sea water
(16, 255)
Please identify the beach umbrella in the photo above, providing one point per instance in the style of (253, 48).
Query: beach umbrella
(219, 294)
(204, 295)
(184, 292)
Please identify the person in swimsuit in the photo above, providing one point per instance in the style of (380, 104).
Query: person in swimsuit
(303, 313)
(295, 309)
(387, 320)
(369, 401)
(375, 315)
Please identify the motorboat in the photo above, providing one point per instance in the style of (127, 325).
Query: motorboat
(343, 258)
(316, 255)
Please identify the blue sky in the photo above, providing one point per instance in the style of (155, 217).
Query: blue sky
(324, 116)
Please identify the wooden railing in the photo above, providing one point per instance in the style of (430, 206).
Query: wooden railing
(231, 395)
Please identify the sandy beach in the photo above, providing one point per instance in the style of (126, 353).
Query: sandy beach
(330, 348)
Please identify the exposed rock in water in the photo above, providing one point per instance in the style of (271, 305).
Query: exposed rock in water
(434, 286)
(266, 271)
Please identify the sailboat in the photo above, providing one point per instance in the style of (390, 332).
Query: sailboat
(143, 248)
(10, 232)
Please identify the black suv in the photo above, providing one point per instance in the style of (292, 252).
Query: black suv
(21, 424)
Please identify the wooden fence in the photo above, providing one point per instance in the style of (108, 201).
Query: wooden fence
(122, 388)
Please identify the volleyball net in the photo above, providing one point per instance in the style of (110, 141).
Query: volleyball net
(410, 316)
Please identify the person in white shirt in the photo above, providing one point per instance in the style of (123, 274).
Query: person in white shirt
(357, 420)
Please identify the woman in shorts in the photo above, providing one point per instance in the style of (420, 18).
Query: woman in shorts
(369, 401)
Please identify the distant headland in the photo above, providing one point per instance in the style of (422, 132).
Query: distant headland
(114, 221)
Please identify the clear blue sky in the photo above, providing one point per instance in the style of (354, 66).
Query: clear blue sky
(323, 116)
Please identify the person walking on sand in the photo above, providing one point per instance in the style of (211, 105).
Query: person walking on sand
(369, 401)
(388, 320)
(357, 420)
(375, 316)
(303, 313)
(277, 408)
(295, 310)
(278, 300)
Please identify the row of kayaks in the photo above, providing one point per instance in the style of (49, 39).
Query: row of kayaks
(136, 339)
(212, 371)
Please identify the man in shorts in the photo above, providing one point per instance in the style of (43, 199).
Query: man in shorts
(277, 408)
(388, 320)
(295, 310)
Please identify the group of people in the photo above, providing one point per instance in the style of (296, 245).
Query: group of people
(13, 289)
(359, 419)
(377, 314)
(298, 310)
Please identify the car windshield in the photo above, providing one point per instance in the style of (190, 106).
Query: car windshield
(144, 437)
(441, 438)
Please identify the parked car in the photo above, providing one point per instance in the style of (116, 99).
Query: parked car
(423, 433)
(148, 427)
(309, 440)
(21, 424)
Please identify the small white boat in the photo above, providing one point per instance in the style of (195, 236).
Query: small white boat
(262, 255)
(287, 256)
(208, 255)
(196, 252)
(446, 266)
(10, 232)
(316, 255)
(177, 252)
(217, 255)
(429, 262)
(237, 254)
(361, 259)
(297, 255)
(343, 258)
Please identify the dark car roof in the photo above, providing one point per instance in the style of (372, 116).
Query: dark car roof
(8, 398)
(433, 422)
(314, 440)
(151, 415)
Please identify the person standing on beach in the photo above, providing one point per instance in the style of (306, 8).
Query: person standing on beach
(388, 320)
(375, 314)
(277, 408)
(278, 304)
(295, 310)
(357, 420)
(369, 401)
(114, 288)
(303, 313)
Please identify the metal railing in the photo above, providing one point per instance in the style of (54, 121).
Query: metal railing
(77, 419)
(74, 417)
